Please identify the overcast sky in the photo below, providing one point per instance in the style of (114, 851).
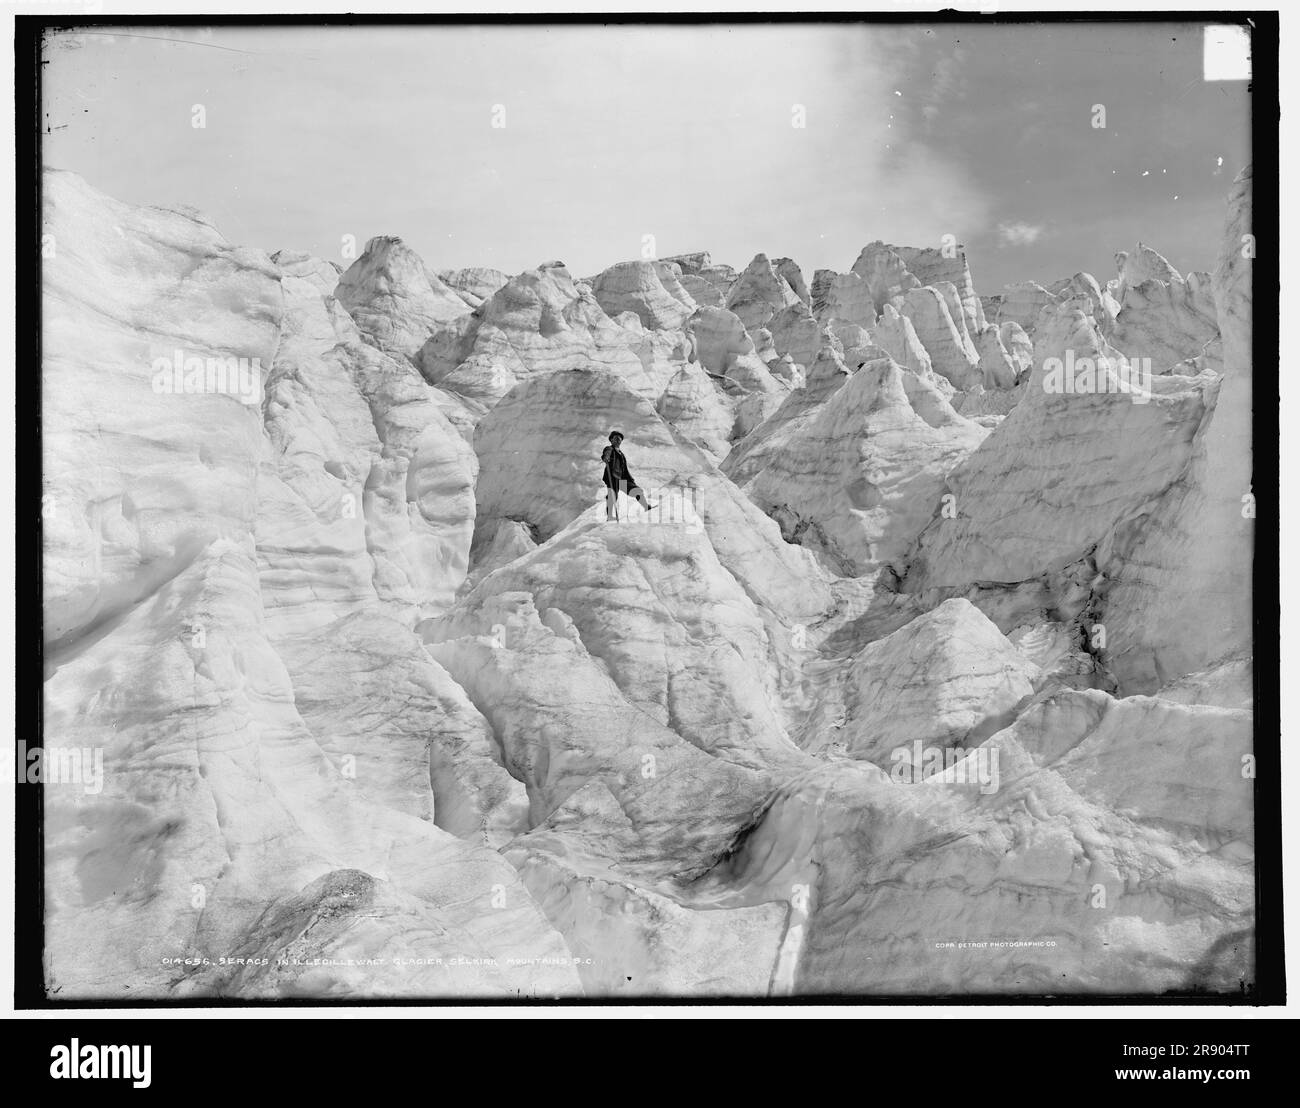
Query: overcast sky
(681, 132)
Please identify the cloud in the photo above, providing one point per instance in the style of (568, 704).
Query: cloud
(1019, 234)
(683, 107)
(944, 82)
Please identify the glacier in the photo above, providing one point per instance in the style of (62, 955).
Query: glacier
(925, 679)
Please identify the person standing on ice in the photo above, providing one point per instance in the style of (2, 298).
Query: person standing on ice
(618, 478)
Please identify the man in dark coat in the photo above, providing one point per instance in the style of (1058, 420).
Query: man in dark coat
(618, 478)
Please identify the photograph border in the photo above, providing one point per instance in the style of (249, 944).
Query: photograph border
(1269, 986)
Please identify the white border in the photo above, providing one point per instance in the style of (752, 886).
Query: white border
(1289, 447)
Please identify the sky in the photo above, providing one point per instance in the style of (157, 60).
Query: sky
(507, 146)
